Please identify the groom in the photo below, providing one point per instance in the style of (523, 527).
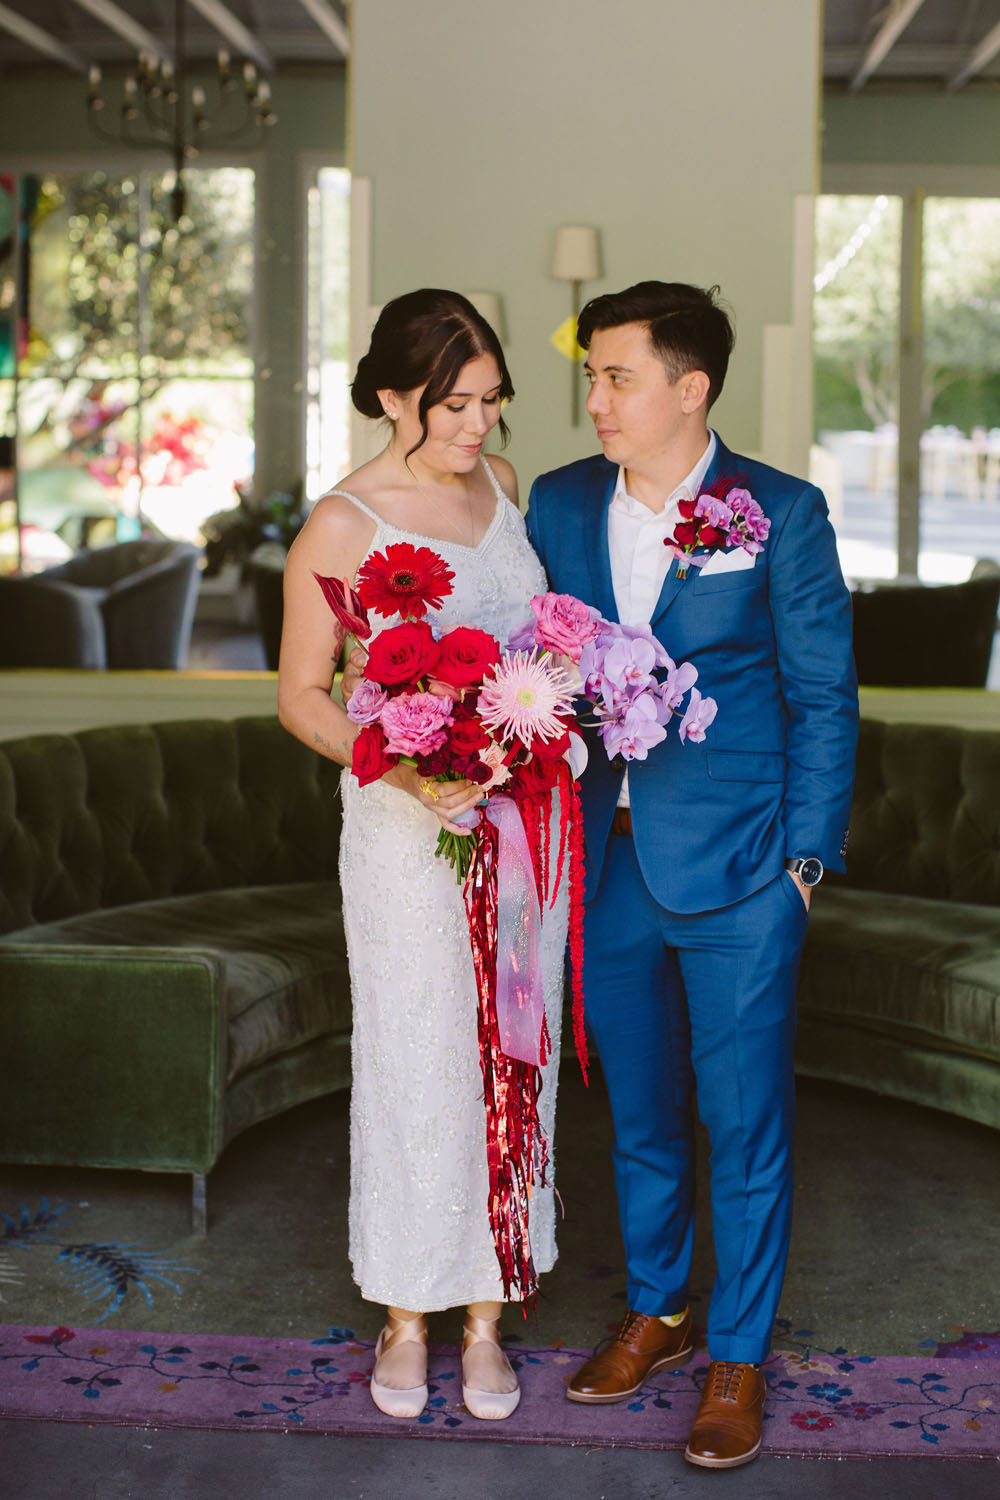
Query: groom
(701, 858)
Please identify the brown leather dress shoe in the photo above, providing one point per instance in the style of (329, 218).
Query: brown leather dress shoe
(641, 1346)
(726, 1431)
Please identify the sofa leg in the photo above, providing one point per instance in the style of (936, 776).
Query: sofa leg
(199, 1204)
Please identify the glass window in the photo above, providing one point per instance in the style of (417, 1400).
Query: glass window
(135, 373)
(328, 455)
(856, 345)
(960, 445)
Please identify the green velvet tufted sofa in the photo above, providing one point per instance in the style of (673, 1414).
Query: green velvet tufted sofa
(172, 960)
(900, 983)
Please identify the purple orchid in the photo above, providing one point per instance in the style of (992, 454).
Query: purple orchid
(637, 732)
(715, 511)
(628, 664)
(700, 713)
(679, 680)
(524, 637)
(750, 526)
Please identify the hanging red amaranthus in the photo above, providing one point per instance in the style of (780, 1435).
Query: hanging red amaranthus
(517, 1152)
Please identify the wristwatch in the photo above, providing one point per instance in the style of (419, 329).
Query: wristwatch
(809, 870)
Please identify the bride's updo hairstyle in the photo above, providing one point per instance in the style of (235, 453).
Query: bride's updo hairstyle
(425, 338)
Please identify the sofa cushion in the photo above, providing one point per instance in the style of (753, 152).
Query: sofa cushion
(919, 970)
(130, 813)
(281, 950)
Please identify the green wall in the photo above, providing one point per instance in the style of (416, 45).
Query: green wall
(43, 127)
(926, 126)
(684, 132)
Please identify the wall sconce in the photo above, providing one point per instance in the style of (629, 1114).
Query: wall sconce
(487, 305)
(575, 259)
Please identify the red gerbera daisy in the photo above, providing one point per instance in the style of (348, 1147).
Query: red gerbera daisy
(404, 580)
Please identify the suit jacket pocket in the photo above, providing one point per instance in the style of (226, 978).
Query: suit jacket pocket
(718, 583)
(746, 765)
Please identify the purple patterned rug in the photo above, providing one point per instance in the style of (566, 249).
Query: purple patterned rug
(819, 1403)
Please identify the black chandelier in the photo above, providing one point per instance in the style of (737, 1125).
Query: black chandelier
(159, 111)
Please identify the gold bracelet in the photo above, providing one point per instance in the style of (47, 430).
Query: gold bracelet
(429, 789)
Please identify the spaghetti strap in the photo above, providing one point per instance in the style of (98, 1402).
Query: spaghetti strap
(501, 493)
(379, 520)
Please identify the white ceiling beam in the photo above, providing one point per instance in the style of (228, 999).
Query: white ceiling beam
(33, 36)
(330, 23)
(234, 31)
(123, 25)
(897, 17)
(936, 60)
(977, 59)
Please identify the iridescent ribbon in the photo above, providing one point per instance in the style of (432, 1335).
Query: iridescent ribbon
(520, 994)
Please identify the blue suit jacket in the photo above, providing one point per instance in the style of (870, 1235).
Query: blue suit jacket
(772, 780)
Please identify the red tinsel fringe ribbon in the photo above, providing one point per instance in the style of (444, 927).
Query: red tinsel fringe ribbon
(515, 1145)
(516, 1148)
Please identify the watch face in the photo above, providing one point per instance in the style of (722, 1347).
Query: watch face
(811, 871)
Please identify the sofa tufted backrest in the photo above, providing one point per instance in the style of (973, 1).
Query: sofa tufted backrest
(926, 814)
(132, 812)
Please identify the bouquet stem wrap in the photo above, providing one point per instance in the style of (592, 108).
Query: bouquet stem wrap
(503, 897)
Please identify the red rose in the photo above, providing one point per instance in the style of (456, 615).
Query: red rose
(467, 736)
(686, 508)
(553, 749)
(684, 533)
(401, 654)
(710, 536)
(465, 656)
(434, 764)
(369, 760)
(533, 780)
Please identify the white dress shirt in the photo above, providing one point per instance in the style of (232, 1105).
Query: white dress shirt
(639, 560)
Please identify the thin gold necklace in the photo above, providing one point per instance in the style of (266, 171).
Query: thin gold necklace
(440, 510)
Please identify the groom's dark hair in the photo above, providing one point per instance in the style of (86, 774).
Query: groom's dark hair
(688, 327)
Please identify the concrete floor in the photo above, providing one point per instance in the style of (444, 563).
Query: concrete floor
(70, 1462)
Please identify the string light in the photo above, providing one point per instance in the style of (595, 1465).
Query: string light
(844, 256)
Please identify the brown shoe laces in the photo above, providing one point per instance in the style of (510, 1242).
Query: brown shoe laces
(724, 1380)
(628, 1323)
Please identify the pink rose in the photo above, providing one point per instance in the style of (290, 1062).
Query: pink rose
(416, 723)
(443, 689)
(366, 702)
(494, 758)
(564, 623)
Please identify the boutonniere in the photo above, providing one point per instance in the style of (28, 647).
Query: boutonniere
(723, 516)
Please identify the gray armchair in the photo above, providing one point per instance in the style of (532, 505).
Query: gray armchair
(127, 606)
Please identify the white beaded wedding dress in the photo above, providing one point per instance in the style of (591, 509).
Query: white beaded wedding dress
(419, 1230)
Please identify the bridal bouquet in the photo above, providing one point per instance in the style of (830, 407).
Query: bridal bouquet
(451, 703)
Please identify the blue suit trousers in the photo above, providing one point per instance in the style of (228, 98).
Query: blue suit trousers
(703, 1001)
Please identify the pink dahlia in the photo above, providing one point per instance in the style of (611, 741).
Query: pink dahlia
(525, 698)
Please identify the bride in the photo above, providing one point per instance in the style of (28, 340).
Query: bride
(420, 1239)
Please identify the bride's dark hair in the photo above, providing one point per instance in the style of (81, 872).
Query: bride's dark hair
(425, 338)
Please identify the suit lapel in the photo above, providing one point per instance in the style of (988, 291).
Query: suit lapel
(722, 464)
(594, 520)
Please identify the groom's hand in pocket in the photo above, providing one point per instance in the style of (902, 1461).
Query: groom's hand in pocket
(805, 891)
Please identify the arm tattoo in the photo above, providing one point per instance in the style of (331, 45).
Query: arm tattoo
(341, 751)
